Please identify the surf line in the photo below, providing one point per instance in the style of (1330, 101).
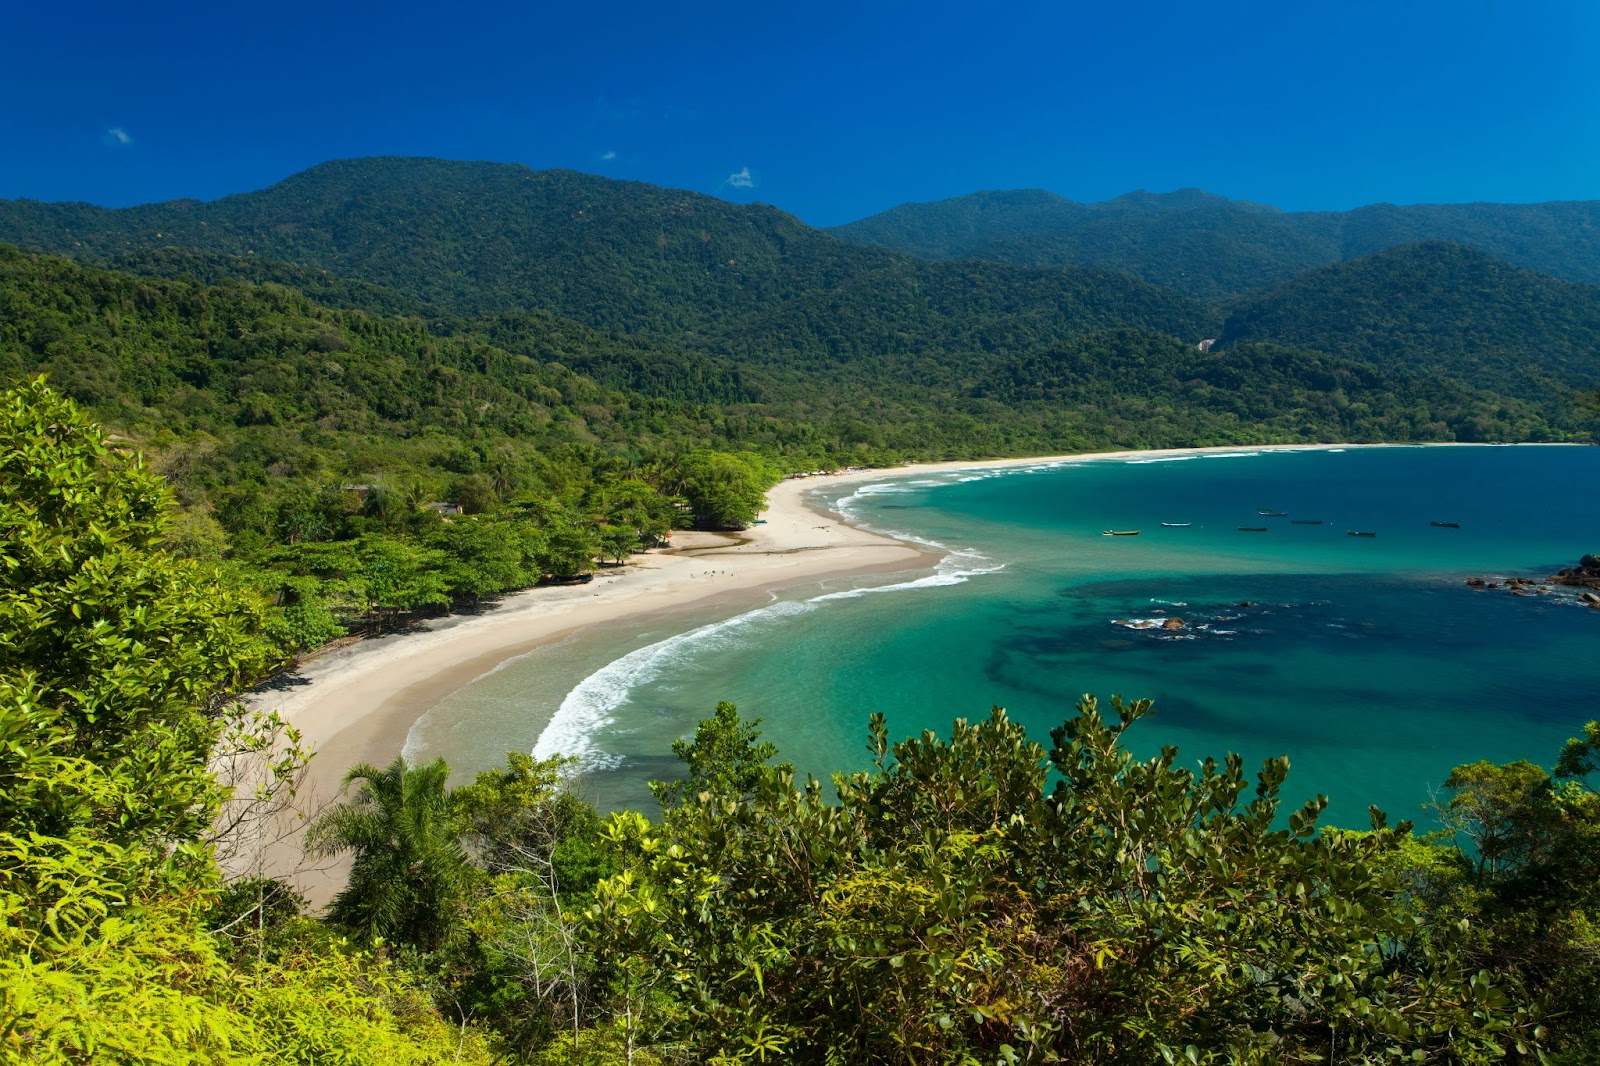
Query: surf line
(590, 707)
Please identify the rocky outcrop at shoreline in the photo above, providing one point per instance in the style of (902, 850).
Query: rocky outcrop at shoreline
(1584, 576)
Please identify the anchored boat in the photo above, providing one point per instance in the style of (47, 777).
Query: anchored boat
(1177, 525)
(1119, 533)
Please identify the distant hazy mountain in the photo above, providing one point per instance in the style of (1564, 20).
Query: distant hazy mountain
(1211, 247)
(621, 256)
(1441, 306)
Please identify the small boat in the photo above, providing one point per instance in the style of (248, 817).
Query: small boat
(1445, 525)
(1305, 521)
(1358, 533)
(1264, 513)
(1119, 533)
(1177, 525)
(1252, 529)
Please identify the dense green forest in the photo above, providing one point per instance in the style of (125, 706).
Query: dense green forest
(1440, 308)
(1214, 248)
(658, 264)
(975, 897)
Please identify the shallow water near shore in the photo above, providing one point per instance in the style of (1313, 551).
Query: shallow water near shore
(1364, 659)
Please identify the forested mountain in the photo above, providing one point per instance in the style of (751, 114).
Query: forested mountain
(656, 263)
(258, 376)
(949, 229)
(1210, 247)
(303, 413)
(1439, 308)
(957, 227)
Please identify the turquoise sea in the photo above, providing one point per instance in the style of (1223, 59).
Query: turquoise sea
(1365, 659)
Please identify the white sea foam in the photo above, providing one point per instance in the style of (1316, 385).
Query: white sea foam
(1161, 459)
(953, 569)
(587, 708)
(910, 483)
(1230, 455)
(590, 707)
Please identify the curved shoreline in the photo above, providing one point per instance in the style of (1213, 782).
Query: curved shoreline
(356, 702)
(374, 683)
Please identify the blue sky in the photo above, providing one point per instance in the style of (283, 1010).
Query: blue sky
(831, 111)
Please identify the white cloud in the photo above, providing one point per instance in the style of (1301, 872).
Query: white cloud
(117, 137)
(741, 179)
(608, 156)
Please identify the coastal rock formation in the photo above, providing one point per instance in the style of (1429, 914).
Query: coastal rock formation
(1586, 576)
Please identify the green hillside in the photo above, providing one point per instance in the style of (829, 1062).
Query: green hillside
(1139, 386)
(656, 263)
(1210, 251)
(262, 378)
(1212, 248)
(948, 229)
(1439, 308)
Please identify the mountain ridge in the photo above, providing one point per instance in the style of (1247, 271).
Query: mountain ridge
(1215, 248)
(618, 256)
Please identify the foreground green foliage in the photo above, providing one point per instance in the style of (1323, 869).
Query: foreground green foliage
(113, 650)
(116, 661)
(410, 870)
(952, 907)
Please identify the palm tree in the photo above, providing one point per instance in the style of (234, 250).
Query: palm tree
(410, 869)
